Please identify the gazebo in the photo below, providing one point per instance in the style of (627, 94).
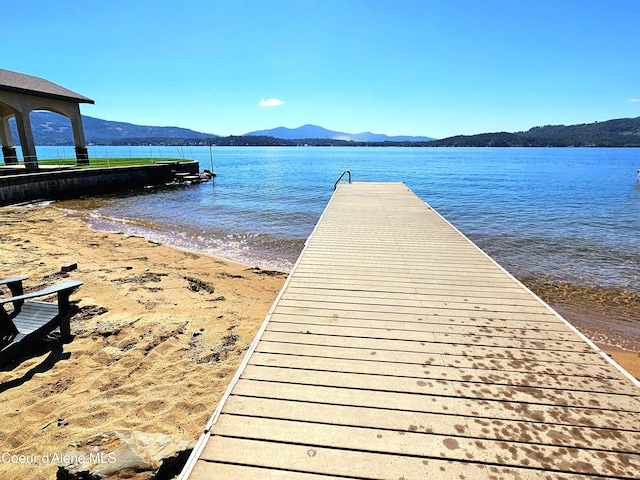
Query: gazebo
(21, 94)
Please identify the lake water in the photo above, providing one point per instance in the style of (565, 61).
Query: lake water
(570, 213)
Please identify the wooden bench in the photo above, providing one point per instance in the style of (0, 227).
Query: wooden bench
(30, 321)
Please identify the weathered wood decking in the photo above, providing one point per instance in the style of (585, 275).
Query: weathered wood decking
(397, 349)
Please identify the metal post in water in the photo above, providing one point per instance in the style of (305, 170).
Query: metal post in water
(211, 155)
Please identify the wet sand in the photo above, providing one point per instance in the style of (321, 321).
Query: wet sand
(159, 333)
(609, 317)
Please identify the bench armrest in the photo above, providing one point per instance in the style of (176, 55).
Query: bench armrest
(15, 287)
(14, 284)
(9, 281)
(60, 288)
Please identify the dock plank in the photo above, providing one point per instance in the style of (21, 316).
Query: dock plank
(514, 353)
(541, 366)
(480, 409)
(547, 322)
(434, 372)
(426, 336)
(442, 387)
(449, 326)
(433, 446)
(435, 423)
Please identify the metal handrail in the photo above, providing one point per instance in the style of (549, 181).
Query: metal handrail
(335, 185)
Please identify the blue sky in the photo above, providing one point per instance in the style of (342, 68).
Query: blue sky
(400, 67)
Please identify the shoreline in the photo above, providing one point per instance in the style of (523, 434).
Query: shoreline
(607, 316)
(218, 244)
(160, 331)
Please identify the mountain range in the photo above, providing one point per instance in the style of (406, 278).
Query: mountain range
(313, 131)
(53, 129)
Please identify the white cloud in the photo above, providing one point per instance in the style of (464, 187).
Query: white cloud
(634, 99)
(270, 102)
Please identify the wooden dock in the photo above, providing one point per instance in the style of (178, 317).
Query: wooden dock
(398, 350)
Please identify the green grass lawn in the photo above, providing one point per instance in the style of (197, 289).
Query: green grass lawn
(108, 162)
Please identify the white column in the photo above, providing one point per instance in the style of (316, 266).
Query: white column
(26, 140)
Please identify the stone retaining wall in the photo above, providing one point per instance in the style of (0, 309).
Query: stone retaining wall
(74, 183)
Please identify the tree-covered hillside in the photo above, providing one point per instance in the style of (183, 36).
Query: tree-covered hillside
(623, 132)
(53, 129)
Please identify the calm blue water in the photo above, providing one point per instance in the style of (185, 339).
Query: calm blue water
(570, 213)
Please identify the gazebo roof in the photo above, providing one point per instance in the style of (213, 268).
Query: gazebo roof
(30, 85)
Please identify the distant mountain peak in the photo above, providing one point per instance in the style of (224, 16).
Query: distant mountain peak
(310, 131)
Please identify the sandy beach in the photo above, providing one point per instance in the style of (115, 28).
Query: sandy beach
(159, 333)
